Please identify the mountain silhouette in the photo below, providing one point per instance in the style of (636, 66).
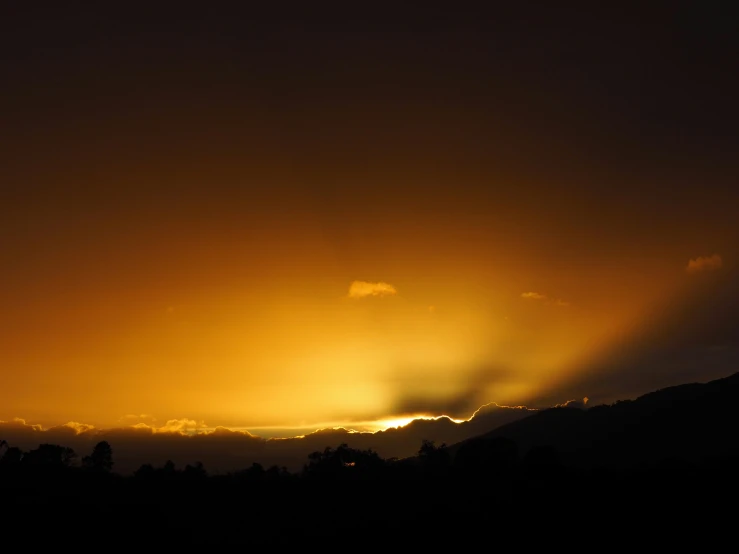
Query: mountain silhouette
(692, 424)
(395, 442)
(687, 424)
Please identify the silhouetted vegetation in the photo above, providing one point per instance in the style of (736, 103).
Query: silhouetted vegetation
(544, 460)
(101, 458)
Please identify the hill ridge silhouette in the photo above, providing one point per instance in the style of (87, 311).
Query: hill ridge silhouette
(692, 422)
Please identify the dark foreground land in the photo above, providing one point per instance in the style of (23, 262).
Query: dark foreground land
(658, 472)
(554, 507)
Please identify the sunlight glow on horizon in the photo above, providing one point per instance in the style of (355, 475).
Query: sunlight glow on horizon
(191, 428)
(269, 348)
(349, 427)
(398, 422)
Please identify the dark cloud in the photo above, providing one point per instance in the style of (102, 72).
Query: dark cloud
(492, 416)
(456, 406)
(693, 339)
(460, 405)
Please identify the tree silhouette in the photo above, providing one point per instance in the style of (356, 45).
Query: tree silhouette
(343, 462)
(196, 471)
(50, 456)
(101, 458)
(435, 460)
(146, 471)
(12, 457)
(486, 456)
(254, 473)
(433, 457)
(276, 472)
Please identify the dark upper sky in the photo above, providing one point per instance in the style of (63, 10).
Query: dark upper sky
(241, 161)
(629, 88)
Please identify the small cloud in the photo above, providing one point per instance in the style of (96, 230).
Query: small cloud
(362, 289)
(181, 426)
(79, 427)
(538, 297)
(132, 419)
(142, 427)
(704, 263)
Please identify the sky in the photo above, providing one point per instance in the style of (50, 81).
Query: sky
(278, 220)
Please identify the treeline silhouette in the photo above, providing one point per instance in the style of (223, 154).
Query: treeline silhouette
(480, 458)
(343, 492)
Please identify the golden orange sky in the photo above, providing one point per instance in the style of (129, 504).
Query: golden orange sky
(213, 232)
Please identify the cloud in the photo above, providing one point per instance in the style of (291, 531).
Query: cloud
(704, 263)
(493, 415)
(414, 393)
(676, 344)
(538, 297)
(76, 427)
(362, 289)
(226, 432)
(181, 426)
(579, 404)
(20, 423)
(131, 419)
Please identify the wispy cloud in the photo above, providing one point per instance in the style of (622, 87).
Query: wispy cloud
(132, 419)
(538, 297)
(533, 296)
(363, 289)
(704, 263)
